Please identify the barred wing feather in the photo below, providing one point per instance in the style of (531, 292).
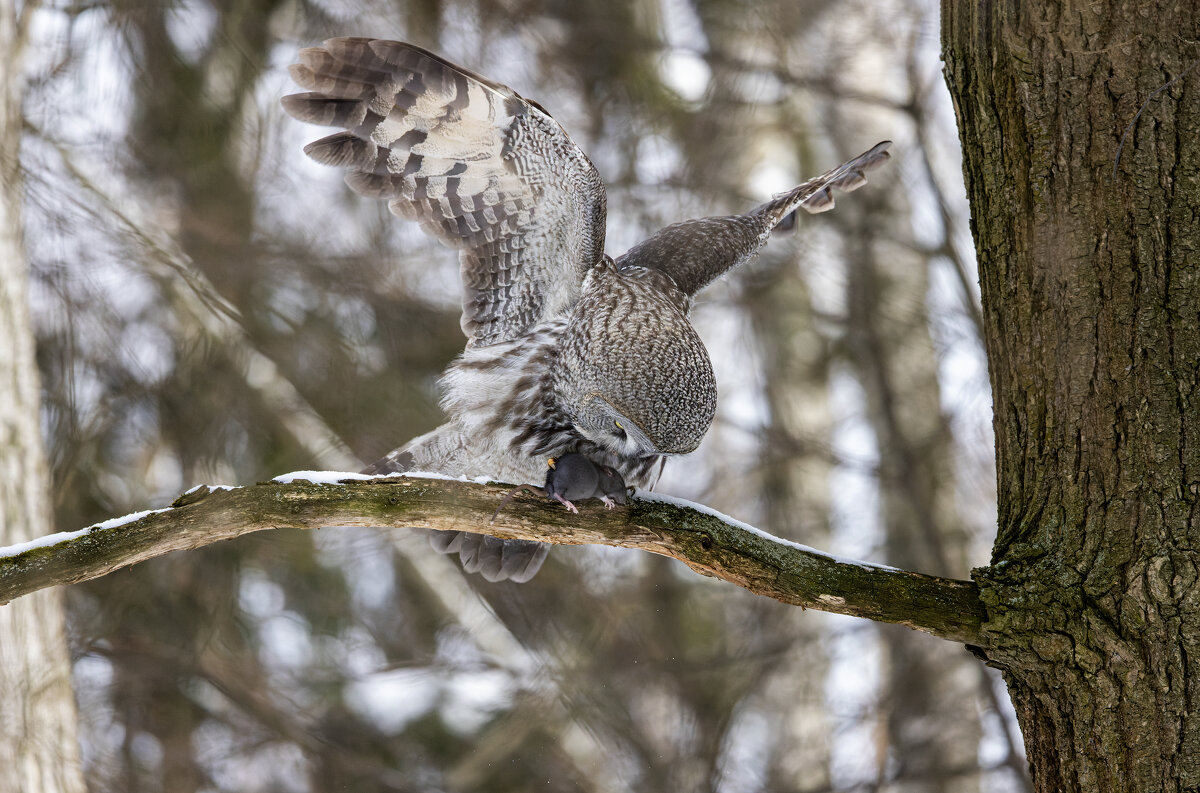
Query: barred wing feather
(697, 252)
(479, 167)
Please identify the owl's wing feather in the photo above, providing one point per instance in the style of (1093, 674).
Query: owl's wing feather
(816, 194)
(697, 252)
(479, 167)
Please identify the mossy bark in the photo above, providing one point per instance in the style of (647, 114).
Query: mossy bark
(1080, 126)
(711, 546)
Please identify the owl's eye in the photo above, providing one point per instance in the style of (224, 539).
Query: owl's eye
(620, 429)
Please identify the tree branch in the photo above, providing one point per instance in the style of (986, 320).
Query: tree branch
(709, 543)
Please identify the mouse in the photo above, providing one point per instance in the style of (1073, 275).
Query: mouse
(574, 477)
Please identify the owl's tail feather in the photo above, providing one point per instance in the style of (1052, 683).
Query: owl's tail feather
(491, 557)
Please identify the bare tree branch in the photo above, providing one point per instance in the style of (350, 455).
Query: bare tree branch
(707, 542)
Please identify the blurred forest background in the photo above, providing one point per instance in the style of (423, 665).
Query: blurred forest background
(213, 308)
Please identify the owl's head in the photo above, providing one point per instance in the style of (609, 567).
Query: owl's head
(612, 428)
(633, 374)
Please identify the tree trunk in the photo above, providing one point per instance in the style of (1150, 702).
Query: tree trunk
(39, 752)
(1089, 258)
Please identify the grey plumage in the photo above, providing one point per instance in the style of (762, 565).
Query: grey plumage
(567, 350)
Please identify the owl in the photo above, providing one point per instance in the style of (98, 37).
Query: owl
(568, 350)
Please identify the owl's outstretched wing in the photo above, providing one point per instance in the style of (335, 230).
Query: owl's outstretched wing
(482, 170)
(696, 252)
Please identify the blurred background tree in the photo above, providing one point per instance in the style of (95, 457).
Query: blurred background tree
(211, 307)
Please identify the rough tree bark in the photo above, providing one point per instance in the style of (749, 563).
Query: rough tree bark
(1089, 258)
(39, 752)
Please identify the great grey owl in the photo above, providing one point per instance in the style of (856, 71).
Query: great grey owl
(568, 350)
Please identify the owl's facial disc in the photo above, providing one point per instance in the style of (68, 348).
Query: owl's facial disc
(607, 426)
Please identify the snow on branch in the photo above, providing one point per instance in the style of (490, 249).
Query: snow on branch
(710, 543)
